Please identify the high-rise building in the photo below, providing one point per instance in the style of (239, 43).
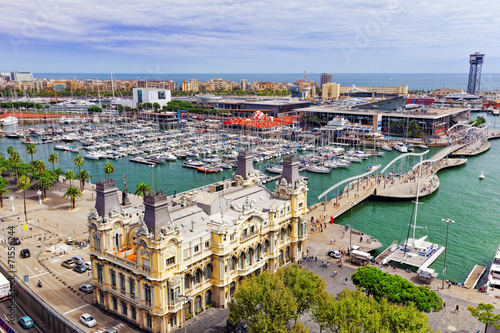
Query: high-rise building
(325, 78)
(22, 76)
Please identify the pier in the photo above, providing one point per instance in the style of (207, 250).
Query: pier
(474, 276)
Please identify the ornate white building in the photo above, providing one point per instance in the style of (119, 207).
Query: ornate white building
(157, 265)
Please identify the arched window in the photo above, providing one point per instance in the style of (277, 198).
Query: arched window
(197, 276)
(266, 246)
(197, 303)
(289, 231)
(208, 272)
(186, 281)
(281, 256)
(97, 241)
(256, 254)
(287, 253)
(240, 262)
(208, 297)
(249, 257)
(232, 265)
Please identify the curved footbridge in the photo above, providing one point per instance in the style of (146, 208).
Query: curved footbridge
(396, 181)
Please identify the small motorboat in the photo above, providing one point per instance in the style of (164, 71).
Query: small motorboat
(481, 176)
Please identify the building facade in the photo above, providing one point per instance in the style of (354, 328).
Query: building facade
(156, 267)
(151, 95)
(325, 78)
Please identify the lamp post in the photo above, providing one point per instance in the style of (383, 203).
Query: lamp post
(11, 198)
(39, 196)
(350, 231)
(186, 298)
(448, 221)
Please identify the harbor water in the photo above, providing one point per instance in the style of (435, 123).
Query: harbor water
(472, 203)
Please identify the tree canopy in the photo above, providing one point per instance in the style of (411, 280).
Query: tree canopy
(355, 312)
(396, 289)
(484, 313)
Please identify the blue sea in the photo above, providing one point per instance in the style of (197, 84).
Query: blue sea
(413, 81)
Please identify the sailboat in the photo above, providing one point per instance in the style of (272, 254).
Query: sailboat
(481, 176)
(415, 252)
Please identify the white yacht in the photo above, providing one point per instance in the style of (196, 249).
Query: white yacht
(95, 155)
(401, 147)
(386, 147)
(494, 275)
(318, 169)
(9, 121)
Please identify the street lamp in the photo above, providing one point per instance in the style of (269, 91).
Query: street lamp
(448, 221)
(11, 198)
(350, 231)
(39, 196)
(187, 298)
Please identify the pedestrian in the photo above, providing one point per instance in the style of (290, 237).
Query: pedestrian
(331, 240)
(457, 308)
(316, 258)
(335, 273)
(334, 241)
(444, 305)
(346, 279)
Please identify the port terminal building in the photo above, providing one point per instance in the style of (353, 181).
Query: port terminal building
(158, 264)
(434, 122)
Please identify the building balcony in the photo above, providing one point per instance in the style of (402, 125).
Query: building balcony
(173, 308)
(120, 261)
(248, 269)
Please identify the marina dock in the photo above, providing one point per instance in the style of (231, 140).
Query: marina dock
(474, 276)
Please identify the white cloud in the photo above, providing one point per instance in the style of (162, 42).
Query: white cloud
(293, 29)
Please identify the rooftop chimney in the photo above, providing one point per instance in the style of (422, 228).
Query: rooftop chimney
(245, 163)
(106, 197)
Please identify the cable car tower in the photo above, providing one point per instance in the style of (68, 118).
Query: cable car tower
(476, 63)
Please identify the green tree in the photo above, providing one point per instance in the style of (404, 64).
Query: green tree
(156, 106)
(15, 160)
(484, 313)
(356, 312)
(31, 149)
(70, 175)
(53, 158)
(79, 161)
(142, 189)
(10, 150)
(44, 183)
(59, 171)
(39, 166)
(73, 193)
(109, 169)
(23, 183)
(3, 189)
(84, 176)
(265, 303)
(307, 287)
(396, 289)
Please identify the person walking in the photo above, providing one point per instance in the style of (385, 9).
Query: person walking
(335, 273)
(457, 308)
(346, 279)
(331, 240)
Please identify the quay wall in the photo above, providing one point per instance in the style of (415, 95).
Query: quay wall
(48, 319)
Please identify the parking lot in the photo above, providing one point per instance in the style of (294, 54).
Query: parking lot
(45, 236)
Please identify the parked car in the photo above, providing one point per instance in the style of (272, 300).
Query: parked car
(88, 265)
(239, 327)
(88, 320)
(25, 253)
(79, 269)
(26, 322)
(333, 254)
(14, 241)
(78, 260)
(87, 288)
(68, 263)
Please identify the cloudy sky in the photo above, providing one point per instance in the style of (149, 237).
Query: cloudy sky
(243, 36)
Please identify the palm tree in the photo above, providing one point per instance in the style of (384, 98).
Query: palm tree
(59, 171)
(84, 175)
(73, 193)
(39, 166)
(14, 160)
(53, 158)
(31, 149)
(79, 162)
(10, 150)
(70, 175)
(109, 169)
(142, 189)
(44, 183)
(23, 183)
(3, 189)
